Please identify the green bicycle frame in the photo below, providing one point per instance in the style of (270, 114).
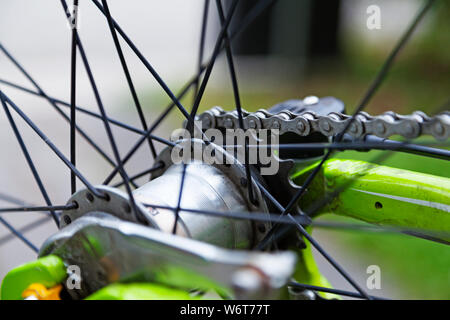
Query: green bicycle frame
(381, 195)
(376, 194)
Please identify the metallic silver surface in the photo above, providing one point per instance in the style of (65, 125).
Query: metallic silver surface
(108, 249)
(205, 188)
(216, 187)
(383, 126)
(115, 203)
(213, 187)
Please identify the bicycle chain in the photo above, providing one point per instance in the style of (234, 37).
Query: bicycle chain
(306, 123)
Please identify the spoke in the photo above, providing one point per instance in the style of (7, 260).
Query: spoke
(104, 117)
(249, 18)
(41, 208)
(317, 205)
(85, 111)
(427, 237)
(330, 290)
(339, 226)
(210, 66)
(390, 60)
(406, 146)
(248, 173)
(257, 10)
(156, 167)
(73, 77)
(232, 70)
(202, 45)
(148, 133)
(377, 144)
(253, 216)
(26, 228)
(260, 7)
(128, 76)
(237, 98)
(366, 98)
(177, 209)
(43, 94)
(312, 241)
(30, 162)
(330, 259)
(274, 235)
(11, 199)
(19, 235)
(51, 145)
(144, 61)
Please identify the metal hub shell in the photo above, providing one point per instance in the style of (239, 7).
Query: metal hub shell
(215, 187)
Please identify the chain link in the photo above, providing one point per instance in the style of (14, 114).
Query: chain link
(383, 126)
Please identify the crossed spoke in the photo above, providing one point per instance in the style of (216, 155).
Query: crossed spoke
(248, 19)
(363, 103)
(282, 223)
(28, 159)
(50, 144)
(101, 108)
(128, 75)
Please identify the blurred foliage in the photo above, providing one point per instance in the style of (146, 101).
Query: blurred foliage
(420, 77)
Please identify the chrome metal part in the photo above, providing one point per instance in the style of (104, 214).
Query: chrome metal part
(308, 121)
(215, 187)
(115, 202)
(225, 175)
(108, 249)
(205, 188)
